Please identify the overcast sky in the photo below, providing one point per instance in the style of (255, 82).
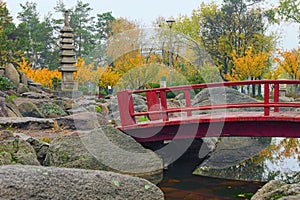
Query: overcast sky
(146, 11)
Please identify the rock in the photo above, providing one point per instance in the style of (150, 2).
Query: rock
(286, 99)
(82, 121)
(103, 108)
(12, 74)
(278, 190)
(223, 95)
(3, 109)
(36, 95)
(51, 110)
(23, 88)
(40, 148)
(67, 104)
(114, 115)
(106, 149)
(26, 123)
(231, 159)
(13, 110)
(76, 110)
(16, 150)
(23, 78)
(36, 182)
(28, 109)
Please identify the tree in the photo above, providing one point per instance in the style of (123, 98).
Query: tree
(104, 26)
(29, 18)
(234, 26)
(251, 66)
(8, 39)
(289, 10)
(289, 61)
(84, 28)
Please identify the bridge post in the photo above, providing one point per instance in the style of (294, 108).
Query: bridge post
(267, 99)
(164, 106)
(188, 101)
(153, 105)
(126, 108)
(276, 96)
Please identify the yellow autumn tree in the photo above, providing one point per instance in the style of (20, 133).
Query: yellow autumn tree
(289, 61)
(250, 66)
(43, 76)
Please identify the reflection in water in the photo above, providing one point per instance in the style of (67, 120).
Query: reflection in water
(280, 161)
(178, 185)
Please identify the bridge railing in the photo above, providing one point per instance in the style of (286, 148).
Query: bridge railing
(158, 108)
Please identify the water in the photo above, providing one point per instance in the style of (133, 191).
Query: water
(280, 161)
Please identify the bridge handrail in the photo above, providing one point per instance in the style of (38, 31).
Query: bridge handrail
(157, 101)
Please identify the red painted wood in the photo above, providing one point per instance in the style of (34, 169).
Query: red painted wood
(276, 96)
(188, 101)
(126, 108)
(222, 106)
(234, 124)
(161, 127)
(164, 106)
(153, 105)
(267, 99)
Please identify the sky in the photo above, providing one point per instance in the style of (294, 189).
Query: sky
(146, 11)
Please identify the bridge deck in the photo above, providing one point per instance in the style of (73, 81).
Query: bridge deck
(243, 124)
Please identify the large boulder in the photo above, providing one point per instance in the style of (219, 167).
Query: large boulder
(82, 121)
(106, 149)
(12, 74)
(15, 150)
(33, 182)
(278, 190)
(28, 109)
(223, 95)
(232, 159)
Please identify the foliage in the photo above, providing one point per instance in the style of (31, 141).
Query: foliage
(43, 76)
(251, 66)
(289, 61)
(142, 119)
(98, 109)
(9, 98)
(49, 109)
(9, 51)
(5, 83)
(289, 10)
(234, 26)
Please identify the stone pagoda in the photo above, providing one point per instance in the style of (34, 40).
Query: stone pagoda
(68, 87)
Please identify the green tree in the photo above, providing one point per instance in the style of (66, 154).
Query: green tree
(236, 25)
(84, 28)
(8, 37)
(37, 37)
(289, 10)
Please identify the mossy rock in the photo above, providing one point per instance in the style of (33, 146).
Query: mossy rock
(28, 109)
(51, 110)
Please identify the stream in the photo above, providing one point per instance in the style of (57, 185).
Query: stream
(279, 161)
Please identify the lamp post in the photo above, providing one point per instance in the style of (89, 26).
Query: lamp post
(170, 22)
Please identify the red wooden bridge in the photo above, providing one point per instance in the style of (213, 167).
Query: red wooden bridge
(167, 123)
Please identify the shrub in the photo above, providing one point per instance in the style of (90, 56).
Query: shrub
(5, 83)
